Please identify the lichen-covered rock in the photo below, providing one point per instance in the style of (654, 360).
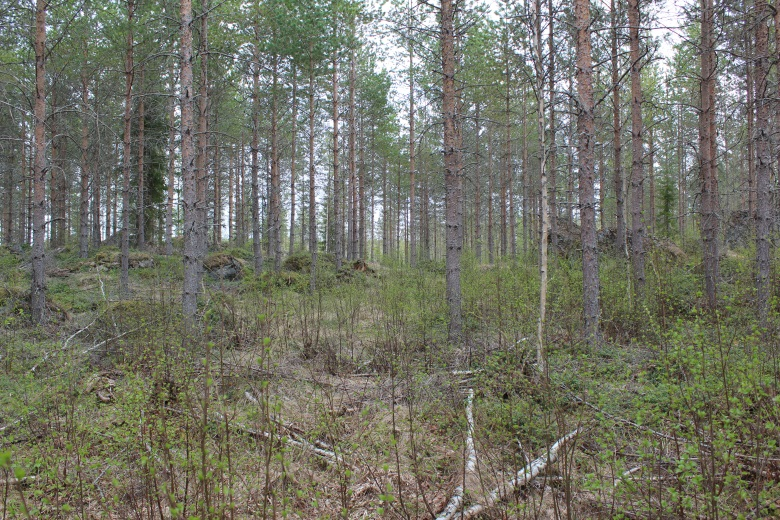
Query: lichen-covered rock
(223, 267)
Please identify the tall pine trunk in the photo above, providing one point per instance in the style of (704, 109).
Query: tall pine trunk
(275, 210)
(764, 166)
(543, 210)
(477, 188)
(141, 145)
(749, 198)
(586, 141)
(337, 216)
(707, 149)
(201, 163)
(171, 168)
(412, 173)
(452, 172)
(85, 171)
(312, 186)
(38, 286)
(293, 143)
(354, 224)
(124, 281)
(189, 191)
(256, 244)
(552, 144)
(617, 128)
(637, 155)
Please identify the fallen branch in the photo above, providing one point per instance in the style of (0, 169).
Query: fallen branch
(17, 481)
(292, 439)
(456, 501)
(120, 336)
(523, 477)
(64, 345)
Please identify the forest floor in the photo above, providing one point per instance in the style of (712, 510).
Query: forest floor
(350, 403)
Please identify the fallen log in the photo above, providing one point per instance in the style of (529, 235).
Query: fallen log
(523, 477)
(456, 501)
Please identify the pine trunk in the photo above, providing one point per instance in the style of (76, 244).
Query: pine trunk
(38, 286)
(707, 147)
(617, 127)
(141, 130)
(201, 166)
(354, 225)
(553, 150)
(586, 141)
(764, 166)
(84, 167)
(637, 155)
(452, 172)
(477, 188)
(124, 280)
(171, 170)
(189, 181)
(256, 242)
(293, 143)
(312, 185)
(275, 210)
(412, 180)
(543, 210)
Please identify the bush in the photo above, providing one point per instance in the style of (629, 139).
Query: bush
(301, 262)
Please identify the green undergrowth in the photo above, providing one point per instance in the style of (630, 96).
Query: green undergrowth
(117, 409)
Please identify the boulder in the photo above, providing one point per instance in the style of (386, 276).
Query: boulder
(223, 267)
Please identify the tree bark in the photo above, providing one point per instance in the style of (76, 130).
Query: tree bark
(749, 199)
(776, 11)
(637, 155)
(240, 196)
(526, 175)
(385, 212)
(59, 188)
(412, 180)
(217, 192)
(201, 163)
(507, 159)
(337, 217)
(602, 186)
(707, 147)
(362, 194)
(293, 143)
(764, 166)
(617, 127)
(477, 187)
(452, 172)
(256, 243)
(171, 168)
(682, 206)
(312, 185)
(274, 213)
(189, 196)
(544, 213)
(23, 185)
(586, 131)
(231, 194)
(651, 178)
(124, 281)
(354, 224)
(490, 240)
(141, 151)
(552, 145)
(85, 170)
(38, 285)
(8, 214)
(96, 227)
